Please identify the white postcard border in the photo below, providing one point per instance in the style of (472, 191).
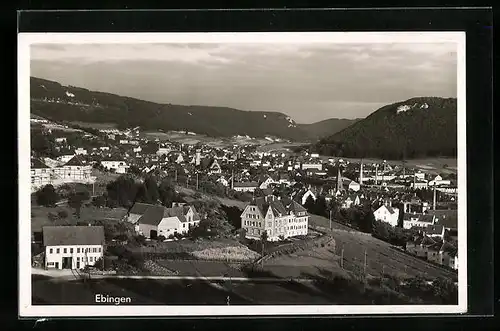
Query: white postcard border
(26, 309)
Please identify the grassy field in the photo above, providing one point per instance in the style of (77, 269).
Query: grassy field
(225, 201)
(40, 214)
(381, 257)
(199, 292)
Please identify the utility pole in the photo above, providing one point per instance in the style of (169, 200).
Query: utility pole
(376, 173)
(196, 181)
(187, 181)
(364, 265)
(176, 175)
(434, 196)
(330, 220)
(342, 258)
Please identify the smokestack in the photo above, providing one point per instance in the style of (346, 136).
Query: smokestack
(361, 173)
(434, 198)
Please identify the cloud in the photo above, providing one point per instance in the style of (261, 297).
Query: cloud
(310, 82)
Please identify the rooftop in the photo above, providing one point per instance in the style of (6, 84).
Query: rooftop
(73, 235)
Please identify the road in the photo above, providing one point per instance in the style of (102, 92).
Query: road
(71, 275)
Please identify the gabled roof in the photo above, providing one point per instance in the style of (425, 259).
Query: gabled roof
(449, 248)
(36, 163)
(434, 229)
(73, 235)
(447, 218)
(140, 208)
(425, 218)
(390, 209)
(246, 184)
(75, 161)
(152, 216)
(175, 212)
(292, 205)
(409, 216)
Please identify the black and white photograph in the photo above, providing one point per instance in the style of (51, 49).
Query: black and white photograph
(176, 174)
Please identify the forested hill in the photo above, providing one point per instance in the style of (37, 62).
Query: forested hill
(68, 103)
(415, 128)
(327, 127)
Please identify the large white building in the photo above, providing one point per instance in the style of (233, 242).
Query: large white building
(387, 214)
(72, 247)
(278, 217)
(120, 167)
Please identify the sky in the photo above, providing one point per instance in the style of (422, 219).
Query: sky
(309, 82)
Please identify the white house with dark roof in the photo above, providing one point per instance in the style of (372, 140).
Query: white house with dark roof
(72, 247)
(119, 166)
(435, 231)
(245, 186)
(278, 217)
(387, 214)
(154, 220)
(419, 220)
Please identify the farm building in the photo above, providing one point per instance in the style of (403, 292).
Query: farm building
(153, 220)
(72, 247)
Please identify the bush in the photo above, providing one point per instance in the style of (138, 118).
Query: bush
(47, 196)
(161, 238)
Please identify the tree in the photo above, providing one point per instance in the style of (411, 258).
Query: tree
(99, 201)
(161, 238)
(62, 214)
(76, 200)
(166, 192)
(263, 239)
(310, 204)
(47, 196)
(122, 191)
(148, 191)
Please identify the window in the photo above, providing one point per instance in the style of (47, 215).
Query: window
(183, 225)
(71, 250)
(58, 250)
(99, 249)
(50, 250)
(64, 250)
(78, 259)
(95, 250)
(260, 224)
(78, 249)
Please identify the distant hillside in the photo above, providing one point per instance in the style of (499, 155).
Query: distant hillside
(68, 103)
(418, 127)
(327, 127)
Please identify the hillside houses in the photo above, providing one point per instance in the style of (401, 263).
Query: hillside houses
(434, 250)
(117, 166)
(75, 170)
(418, 220)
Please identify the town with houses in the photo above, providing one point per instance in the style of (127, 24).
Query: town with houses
(277, 196)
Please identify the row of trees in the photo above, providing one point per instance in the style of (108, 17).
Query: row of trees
(125, 190)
